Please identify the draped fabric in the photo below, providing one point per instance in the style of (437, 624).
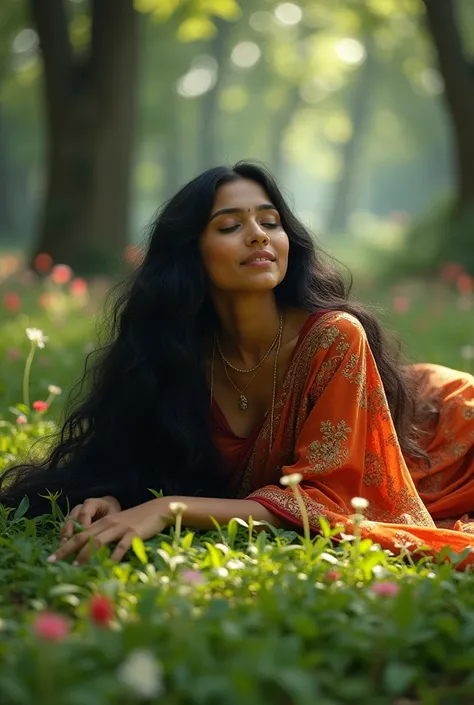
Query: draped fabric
(333, 425)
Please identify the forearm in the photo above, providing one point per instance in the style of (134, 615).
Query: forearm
(199, 511)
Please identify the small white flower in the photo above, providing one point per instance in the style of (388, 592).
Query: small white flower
(142, 673)
(36, 336)
(178, 507)
(56, 391)
(359, 503)
(291, 480)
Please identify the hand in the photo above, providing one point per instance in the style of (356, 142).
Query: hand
(88, 512)
(145, 520)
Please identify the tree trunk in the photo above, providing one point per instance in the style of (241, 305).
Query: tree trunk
(8, 220)
(90, 119)
(208, 152)
(458, 75)
(277, 128)
(359, 106)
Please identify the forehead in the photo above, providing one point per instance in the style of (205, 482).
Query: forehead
(240, 194)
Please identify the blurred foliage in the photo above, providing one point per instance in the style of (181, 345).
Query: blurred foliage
(280, 85)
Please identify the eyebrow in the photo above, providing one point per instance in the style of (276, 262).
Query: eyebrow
(230, 211)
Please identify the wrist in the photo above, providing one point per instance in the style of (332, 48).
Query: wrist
(162, 505)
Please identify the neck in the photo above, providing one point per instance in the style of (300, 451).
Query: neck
(249, 325)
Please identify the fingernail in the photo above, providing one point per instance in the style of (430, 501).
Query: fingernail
(76, 563)
(65, 539)
(51, 559)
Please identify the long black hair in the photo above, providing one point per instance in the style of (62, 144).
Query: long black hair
(143, 421)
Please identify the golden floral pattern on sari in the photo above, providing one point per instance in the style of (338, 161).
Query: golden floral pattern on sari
(329, 453)
(374, 470)
(334, 426)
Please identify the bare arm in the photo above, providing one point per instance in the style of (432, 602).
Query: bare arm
(199, 511)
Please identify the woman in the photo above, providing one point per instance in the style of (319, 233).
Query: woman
(238, 358)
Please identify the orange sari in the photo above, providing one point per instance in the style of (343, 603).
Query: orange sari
(333, 425)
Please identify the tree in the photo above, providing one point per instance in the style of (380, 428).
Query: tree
(457, 70)
(90, 98)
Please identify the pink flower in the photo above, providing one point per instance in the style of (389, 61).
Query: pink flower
(333, 575)
(21, 419)
(385, 589)
(43, 262)
(193, 577)
(101, 610)
(401, 304)
(78, 287)
(12, 301)
(133, 255)
(40, 406)
(61, 274)
(51, 627)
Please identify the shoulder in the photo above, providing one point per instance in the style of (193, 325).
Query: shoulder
(333, 327)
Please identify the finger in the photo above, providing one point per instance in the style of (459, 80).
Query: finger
(75, 544)
(67, 529)
(123, 546)
(111, 535)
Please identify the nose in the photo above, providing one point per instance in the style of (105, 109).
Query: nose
(257, 235)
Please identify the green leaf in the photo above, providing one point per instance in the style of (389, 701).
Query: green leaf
(398, 677)
(232, 530)
(325, 526)
(187, 541)
(21, 509)
(139, 550)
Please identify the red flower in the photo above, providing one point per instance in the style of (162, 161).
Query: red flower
(21, 419)
(12, 301)
(450, 271)
(61, 274)
(401, 304)
(465, 284)
(40, 406)
(78, 287)
(101, 610)
(333, 575)
(51, 626)
(43, 262)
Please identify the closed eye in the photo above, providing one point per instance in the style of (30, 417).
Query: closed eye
(271, 225)
(229, 229)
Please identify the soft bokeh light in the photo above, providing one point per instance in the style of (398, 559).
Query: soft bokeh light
(246, 54)
(350, 51)
(200, 78)
(25, 41)
(288, 13)
(261, 21)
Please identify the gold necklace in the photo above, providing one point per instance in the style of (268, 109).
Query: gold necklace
(275, 380)
(257, 367)
(243, 401)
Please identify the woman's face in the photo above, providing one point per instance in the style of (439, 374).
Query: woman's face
(244, 247)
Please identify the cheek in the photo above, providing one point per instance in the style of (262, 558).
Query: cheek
(217, 257)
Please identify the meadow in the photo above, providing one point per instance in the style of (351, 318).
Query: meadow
(229, 616)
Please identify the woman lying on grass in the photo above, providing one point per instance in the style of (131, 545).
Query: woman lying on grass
(239, 358)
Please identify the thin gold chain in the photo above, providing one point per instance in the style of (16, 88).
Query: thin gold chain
(243, 398)
(275, 380)
(257, 367)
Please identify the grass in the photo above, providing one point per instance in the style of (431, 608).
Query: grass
(230, 616)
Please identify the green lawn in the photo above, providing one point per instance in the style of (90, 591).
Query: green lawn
(233, 616)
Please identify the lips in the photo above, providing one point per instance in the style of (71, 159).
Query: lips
(259, 256)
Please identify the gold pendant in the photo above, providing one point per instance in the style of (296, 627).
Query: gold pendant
(243, 403)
